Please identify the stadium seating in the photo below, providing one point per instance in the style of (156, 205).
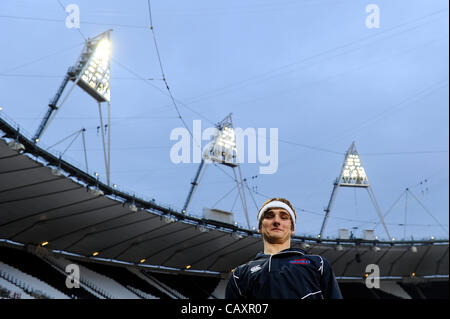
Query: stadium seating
(34, 274)
(32, 284)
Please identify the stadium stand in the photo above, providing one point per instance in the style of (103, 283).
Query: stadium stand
(192, 287)
(31, 274)
(106, 287)
(428, 290)
(355, 290)
(126, 278)
(10, 291)
(30, 284)
(35, 266)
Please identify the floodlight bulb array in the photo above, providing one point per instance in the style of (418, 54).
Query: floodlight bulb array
(96, 73)
(224, 146)
(353, 171)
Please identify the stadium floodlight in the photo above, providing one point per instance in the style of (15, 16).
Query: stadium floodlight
(353, 174)
(92, 71)
(16, 146)
(221, 150)
(203, 229)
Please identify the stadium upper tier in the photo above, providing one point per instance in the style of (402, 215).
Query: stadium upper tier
(45, 201)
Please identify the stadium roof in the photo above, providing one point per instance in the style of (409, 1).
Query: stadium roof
(45, 201)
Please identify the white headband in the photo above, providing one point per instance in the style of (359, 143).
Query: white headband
(276, 204)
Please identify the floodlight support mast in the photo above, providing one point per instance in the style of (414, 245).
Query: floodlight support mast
(194, 186)
(222, 125)
(105, 151)
(53, 105)
(330, 205)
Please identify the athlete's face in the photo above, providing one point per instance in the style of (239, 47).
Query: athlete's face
(276, 226)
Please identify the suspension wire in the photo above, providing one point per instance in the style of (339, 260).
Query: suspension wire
(251, 194)
(162, 71)
(228, 193)
(85, 152)
(406, 213)
(4, 73)
(78, 29)
(77, 132)
(235, 200)
(70, 144)
(420, 203)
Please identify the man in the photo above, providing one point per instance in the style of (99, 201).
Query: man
(282, 272)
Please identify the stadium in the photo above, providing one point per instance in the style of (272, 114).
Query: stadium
(70, 232)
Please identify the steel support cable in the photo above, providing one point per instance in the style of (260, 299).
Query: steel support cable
(429, 213)
(78, 29)
(251, 195)
(162, 71)
(234, 202)
(64, 139)
(4, 73)
(228, 193)
(390, 209)
(330, 50)
(146, 81)
(63, 20)
(396, 107)
(340, 153)
(349, 219)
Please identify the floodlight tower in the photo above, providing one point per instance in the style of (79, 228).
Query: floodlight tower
(352, 175)
(221, 150)
(91, 73)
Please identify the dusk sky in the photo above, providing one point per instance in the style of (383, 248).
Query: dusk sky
(312, 69)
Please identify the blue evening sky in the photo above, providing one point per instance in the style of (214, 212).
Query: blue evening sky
(310, 68)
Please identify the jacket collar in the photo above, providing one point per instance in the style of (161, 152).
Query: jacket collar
(294, 250)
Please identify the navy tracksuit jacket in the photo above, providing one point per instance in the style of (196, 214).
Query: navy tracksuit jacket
(289, 274)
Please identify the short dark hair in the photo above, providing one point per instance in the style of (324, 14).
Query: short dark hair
(280, 199)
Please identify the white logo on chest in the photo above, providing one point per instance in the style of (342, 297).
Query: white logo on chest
(255, 269)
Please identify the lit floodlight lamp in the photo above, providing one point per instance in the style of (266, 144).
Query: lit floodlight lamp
(16, 146)
(353, 173)
(133, 208)
(91, 72)
(223, 147)
(95, 191)
(55, 171)
(93, 68)
(203, 229)
(169, 219)
(237, 236)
